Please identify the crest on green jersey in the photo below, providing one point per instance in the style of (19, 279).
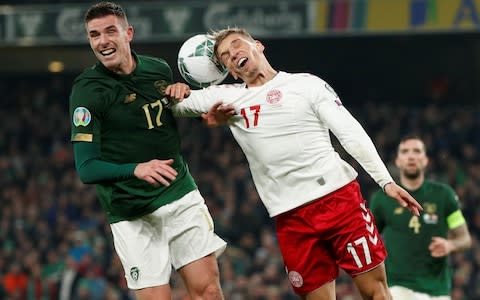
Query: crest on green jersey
(161, 85)
(430, 213)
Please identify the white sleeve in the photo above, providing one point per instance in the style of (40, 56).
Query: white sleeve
(349, 132)
(194, 105)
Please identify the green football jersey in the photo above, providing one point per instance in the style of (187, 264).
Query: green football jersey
(127, 116)
(407, 237)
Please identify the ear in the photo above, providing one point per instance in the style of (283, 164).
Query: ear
(234, 75)
(397, 163)
(130, 33)
(425, 161)
(259, 46)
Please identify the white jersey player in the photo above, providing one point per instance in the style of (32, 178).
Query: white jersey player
(282, 124)
(283, 129)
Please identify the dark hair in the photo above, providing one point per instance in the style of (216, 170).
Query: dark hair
(219, 36)
(103, 9)
(412, 137)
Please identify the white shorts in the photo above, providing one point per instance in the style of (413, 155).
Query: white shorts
(174, 235)
(403, 293)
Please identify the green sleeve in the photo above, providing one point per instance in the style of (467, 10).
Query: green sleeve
(453, 203)
(92, 169)
(375, 207)
(454, 214)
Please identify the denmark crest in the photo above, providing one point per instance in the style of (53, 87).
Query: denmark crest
(295, 278)
(274, 96)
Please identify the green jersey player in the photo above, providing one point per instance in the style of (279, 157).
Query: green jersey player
(125, 141)
(418, 247)
(123, 118)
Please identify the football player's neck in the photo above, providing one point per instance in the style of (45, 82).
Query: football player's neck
(261, 77)
(412, 183)
(126, 67)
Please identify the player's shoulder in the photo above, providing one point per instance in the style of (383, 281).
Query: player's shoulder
(225, 86)
(91, 72)
(154, 65)
(313, 82)
(440, 190)
(302, 76)
(92, 78)
(224, 90)
(152, 60)
(438, 186)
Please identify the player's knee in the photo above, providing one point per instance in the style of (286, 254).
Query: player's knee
(213, 292)
(210, 291)
(380, 292)
(377, 290)
(382, 295)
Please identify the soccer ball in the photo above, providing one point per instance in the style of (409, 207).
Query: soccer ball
(196, 62)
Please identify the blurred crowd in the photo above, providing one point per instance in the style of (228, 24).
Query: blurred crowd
(56, 244)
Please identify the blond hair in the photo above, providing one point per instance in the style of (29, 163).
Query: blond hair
(219, 36)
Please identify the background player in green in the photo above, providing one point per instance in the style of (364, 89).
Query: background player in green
(418, 247)
(125, 140)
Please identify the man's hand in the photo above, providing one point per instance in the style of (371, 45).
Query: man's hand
(156, 172)
(403, 198)
(439, 247)
(178, 91)
(218, 114)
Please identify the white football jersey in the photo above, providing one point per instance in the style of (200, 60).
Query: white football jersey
(283, 129)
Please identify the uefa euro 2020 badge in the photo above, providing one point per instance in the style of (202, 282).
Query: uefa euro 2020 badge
(81, 116)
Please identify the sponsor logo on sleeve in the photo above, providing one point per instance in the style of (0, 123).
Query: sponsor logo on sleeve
(332, 91)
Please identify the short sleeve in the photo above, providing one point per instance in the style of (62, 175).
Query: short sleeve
(85, 113)
(454, 214)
